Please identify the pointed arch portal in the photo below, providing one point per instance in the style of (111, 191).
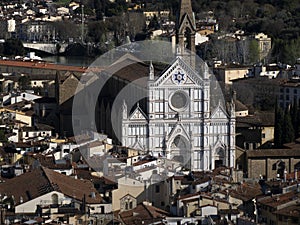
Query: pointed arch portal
(180, 150)
(219, 157)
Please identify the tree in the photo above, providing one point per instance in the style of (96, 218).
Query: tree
(13, 47)
(99, 9)
(294, 116)
(288, 134)
(24, 82)
(253, 51)
(278, 130)
(3, 138)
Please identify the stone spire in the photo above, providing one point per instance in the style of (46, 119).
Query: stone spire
(124, 110)
(186, 32)
(186, 9)
(151, 71)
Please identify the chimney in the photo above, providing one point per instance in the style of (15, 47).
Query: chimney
(146, 203)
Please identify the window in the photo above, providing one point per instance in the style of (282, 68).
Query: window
(162, 203)
(54, 199)
(130, 205)
(157, 189)
(179, 100)
(263, 135)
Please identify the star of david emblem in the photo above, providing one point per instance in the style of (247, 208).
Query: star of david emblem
(179, 77)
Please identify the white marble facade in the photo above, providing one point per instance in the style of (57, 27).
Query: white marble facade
(181, 123)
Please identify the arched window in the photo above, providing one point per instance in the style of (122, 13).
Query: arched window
(54, 199)
(187, 38)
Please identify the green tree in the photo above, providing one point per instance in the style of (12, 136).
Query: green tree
(294, 117)
(3, 138)
(24, 82)
(253, 51)
(13, 47)
(279, 124)
(99, 9)
(288, 130)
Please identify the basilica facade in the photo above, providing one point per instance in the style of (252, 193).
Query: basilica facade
(184, 121)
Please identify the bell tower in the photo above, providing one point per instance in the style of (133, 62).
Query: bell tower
(186, 32)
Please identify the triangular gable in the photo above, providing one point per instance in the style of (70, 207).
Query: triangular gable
(178, 130)
(126, 196)
(219, 112)
(186, 23)
(138, 114)
(137, 145)
(180, 73)
(219, 144)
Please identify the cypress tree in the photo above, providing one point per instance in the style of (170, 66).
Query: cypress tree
(294, 116)
(288, 130)
(278, 130)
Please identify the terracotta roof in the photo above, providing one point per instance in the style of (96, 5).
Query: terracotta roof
(49, 162)
(131, 69)
(189, 196)
(73, 187)
(239, 106)
(43, 65)
(291, 211)
(95, 144)
(294, 152)
(258, 119)
(41, 181)
(143, 161)
(277, 200)
(146, 213)
(292, 176)
(85, 174)
(191, 200)
(246, 192)
(38, 127)
(79, 139)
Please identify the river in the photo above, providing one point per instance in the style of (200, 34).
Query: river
(70, 60)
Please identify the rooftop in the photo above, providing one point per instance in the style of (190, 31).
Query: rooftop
(40, 181)
(277, 200)
(41, 65)
(143, 214)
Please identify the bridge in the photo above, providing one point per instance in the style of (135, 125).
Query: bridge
(51, 48)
